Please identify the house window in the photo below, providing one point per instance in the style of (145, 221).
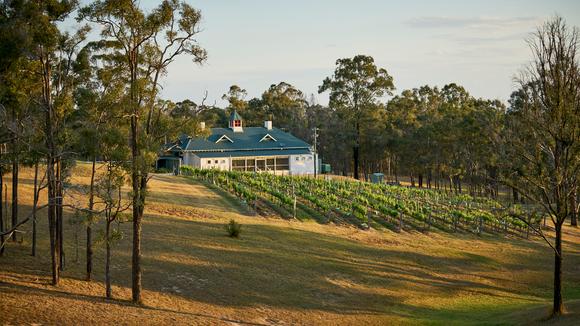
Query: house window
(208, 161)
(282, 163)
(237, 123)
(297, 158)
(216, 161)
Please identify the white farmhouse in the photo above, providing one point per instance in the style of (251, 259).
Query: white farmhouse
(239, 148)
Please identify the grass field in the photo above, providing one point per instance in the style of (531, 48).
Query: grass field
(283, 272)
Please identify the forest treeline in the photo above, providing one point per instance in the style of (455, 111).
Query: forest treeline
(438, 137)
(66, 96)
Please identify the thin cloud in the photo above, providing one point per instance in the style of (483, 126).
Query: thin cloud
(485, 38)
(470, 22)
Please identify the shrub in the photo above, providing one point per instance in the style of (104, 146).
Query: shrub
(186, 170)
(233, 229)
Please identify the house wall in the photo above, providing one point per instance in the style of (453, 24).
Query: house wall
(298, 164)
(191, 160)
(301, 164)
(220, 163)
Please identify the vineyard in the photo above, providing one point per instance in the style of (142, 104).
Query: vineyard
(367, 205)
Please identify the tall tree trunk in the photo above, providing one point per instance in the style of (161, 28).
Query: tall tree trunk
(356, 162)
(356, 151)
(1, 209)
(573, 209)
(59, 216)
(89, 224)
(450, 183)
(135, 180)
(14, 194)
(34, 206)
(515, 195)
(50, 165)
(108, 291)
(558, 307)
(51, 214)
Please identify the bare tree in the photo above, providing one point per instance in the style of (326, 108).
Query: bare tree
(543, 138)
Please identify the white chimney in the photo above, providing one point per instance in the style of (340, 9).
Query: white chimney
(268, 125)
(202, 125)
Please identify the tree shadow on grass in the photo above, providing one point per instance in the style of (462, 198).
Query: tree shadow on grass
(290, 269)
(55, 293)
(302, 269)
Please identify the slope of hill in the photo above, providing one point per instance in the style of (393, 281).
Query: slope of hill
(283, 271)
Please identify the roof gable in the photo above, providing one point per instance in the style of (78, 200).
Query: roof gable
(267, 137)
(224, 138)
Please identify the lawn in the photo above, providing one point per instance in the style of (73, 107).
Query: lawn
(282, 271)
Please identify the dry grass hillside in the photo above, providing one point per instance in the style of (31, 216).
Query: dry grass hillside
(281, 272)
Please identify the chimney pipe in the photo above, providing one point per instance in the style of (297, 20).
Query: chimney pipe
(268, 125)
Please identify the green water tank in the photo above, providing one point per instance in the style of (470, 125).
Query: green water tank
(325, 168)
(377, 177)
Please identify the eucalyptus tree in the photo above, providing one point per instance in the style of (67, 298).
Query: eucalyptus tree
(543, 137)
(146, 43)
(286, 106)
(31, 40)
(109, 184)
(14, 105)
(99, 96)
(355, 90)
(16, 80)
(236, 97)
(33, 153)
(375, 159)
(53, 54)
(401, 127)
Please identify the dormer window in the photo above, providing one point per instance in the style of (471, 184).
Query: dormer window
(267, 137)
(224, 138)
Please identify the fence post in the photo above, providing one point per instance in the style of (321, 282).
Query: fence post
(294, 195)
(400, 221)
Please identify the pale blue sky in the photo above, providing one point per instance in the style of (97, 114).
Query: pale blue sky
(255, 43)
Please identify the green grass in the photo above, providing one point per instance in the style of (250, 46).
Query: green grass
(287, 272)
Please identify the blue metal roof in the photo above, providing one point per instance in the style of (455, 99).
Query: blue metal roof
(251, 139)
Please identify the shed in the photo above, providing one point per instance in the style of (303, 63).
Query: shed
(377, 177)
